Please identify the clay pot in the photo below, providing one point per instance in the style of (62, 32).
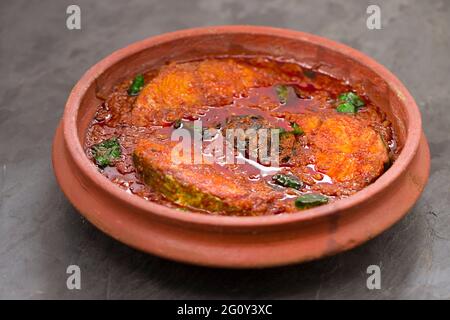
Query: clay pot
(242, 242)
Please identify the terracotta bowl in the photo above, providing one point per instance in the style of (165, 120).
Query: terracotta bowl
(242, 242)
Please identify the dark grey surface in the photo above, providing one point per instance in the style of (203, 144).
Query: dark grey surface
(41, 233)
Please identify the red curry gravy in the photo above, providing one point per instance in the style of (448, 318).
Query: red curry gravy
(332, 156)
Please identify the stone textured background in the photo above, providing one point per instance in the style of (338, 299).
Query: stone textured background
(41, 233)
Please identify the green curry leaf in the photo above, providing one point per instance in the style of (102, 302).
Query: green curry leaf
(289, 181)
(296, 129)
(105, 152)
(310, 200)
(346, 108)
(350, 102)
(282, 93)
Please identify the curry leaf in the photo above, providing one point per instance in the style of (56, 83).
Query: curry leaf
(352, 98)
(346, 108)
(282, 93)
(309, 73)
(297, 130)
(288, 181)
(106, 151)
(177, 124)
(310, 200)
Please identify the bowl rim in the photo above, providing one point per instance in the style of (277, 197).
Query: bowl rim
(89, 170)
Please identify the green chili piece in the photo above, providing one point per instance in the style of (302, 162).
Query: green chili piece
(136, 85)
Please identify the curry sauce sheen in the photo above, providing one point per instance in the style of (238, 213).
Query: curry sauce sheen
(333, 141)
